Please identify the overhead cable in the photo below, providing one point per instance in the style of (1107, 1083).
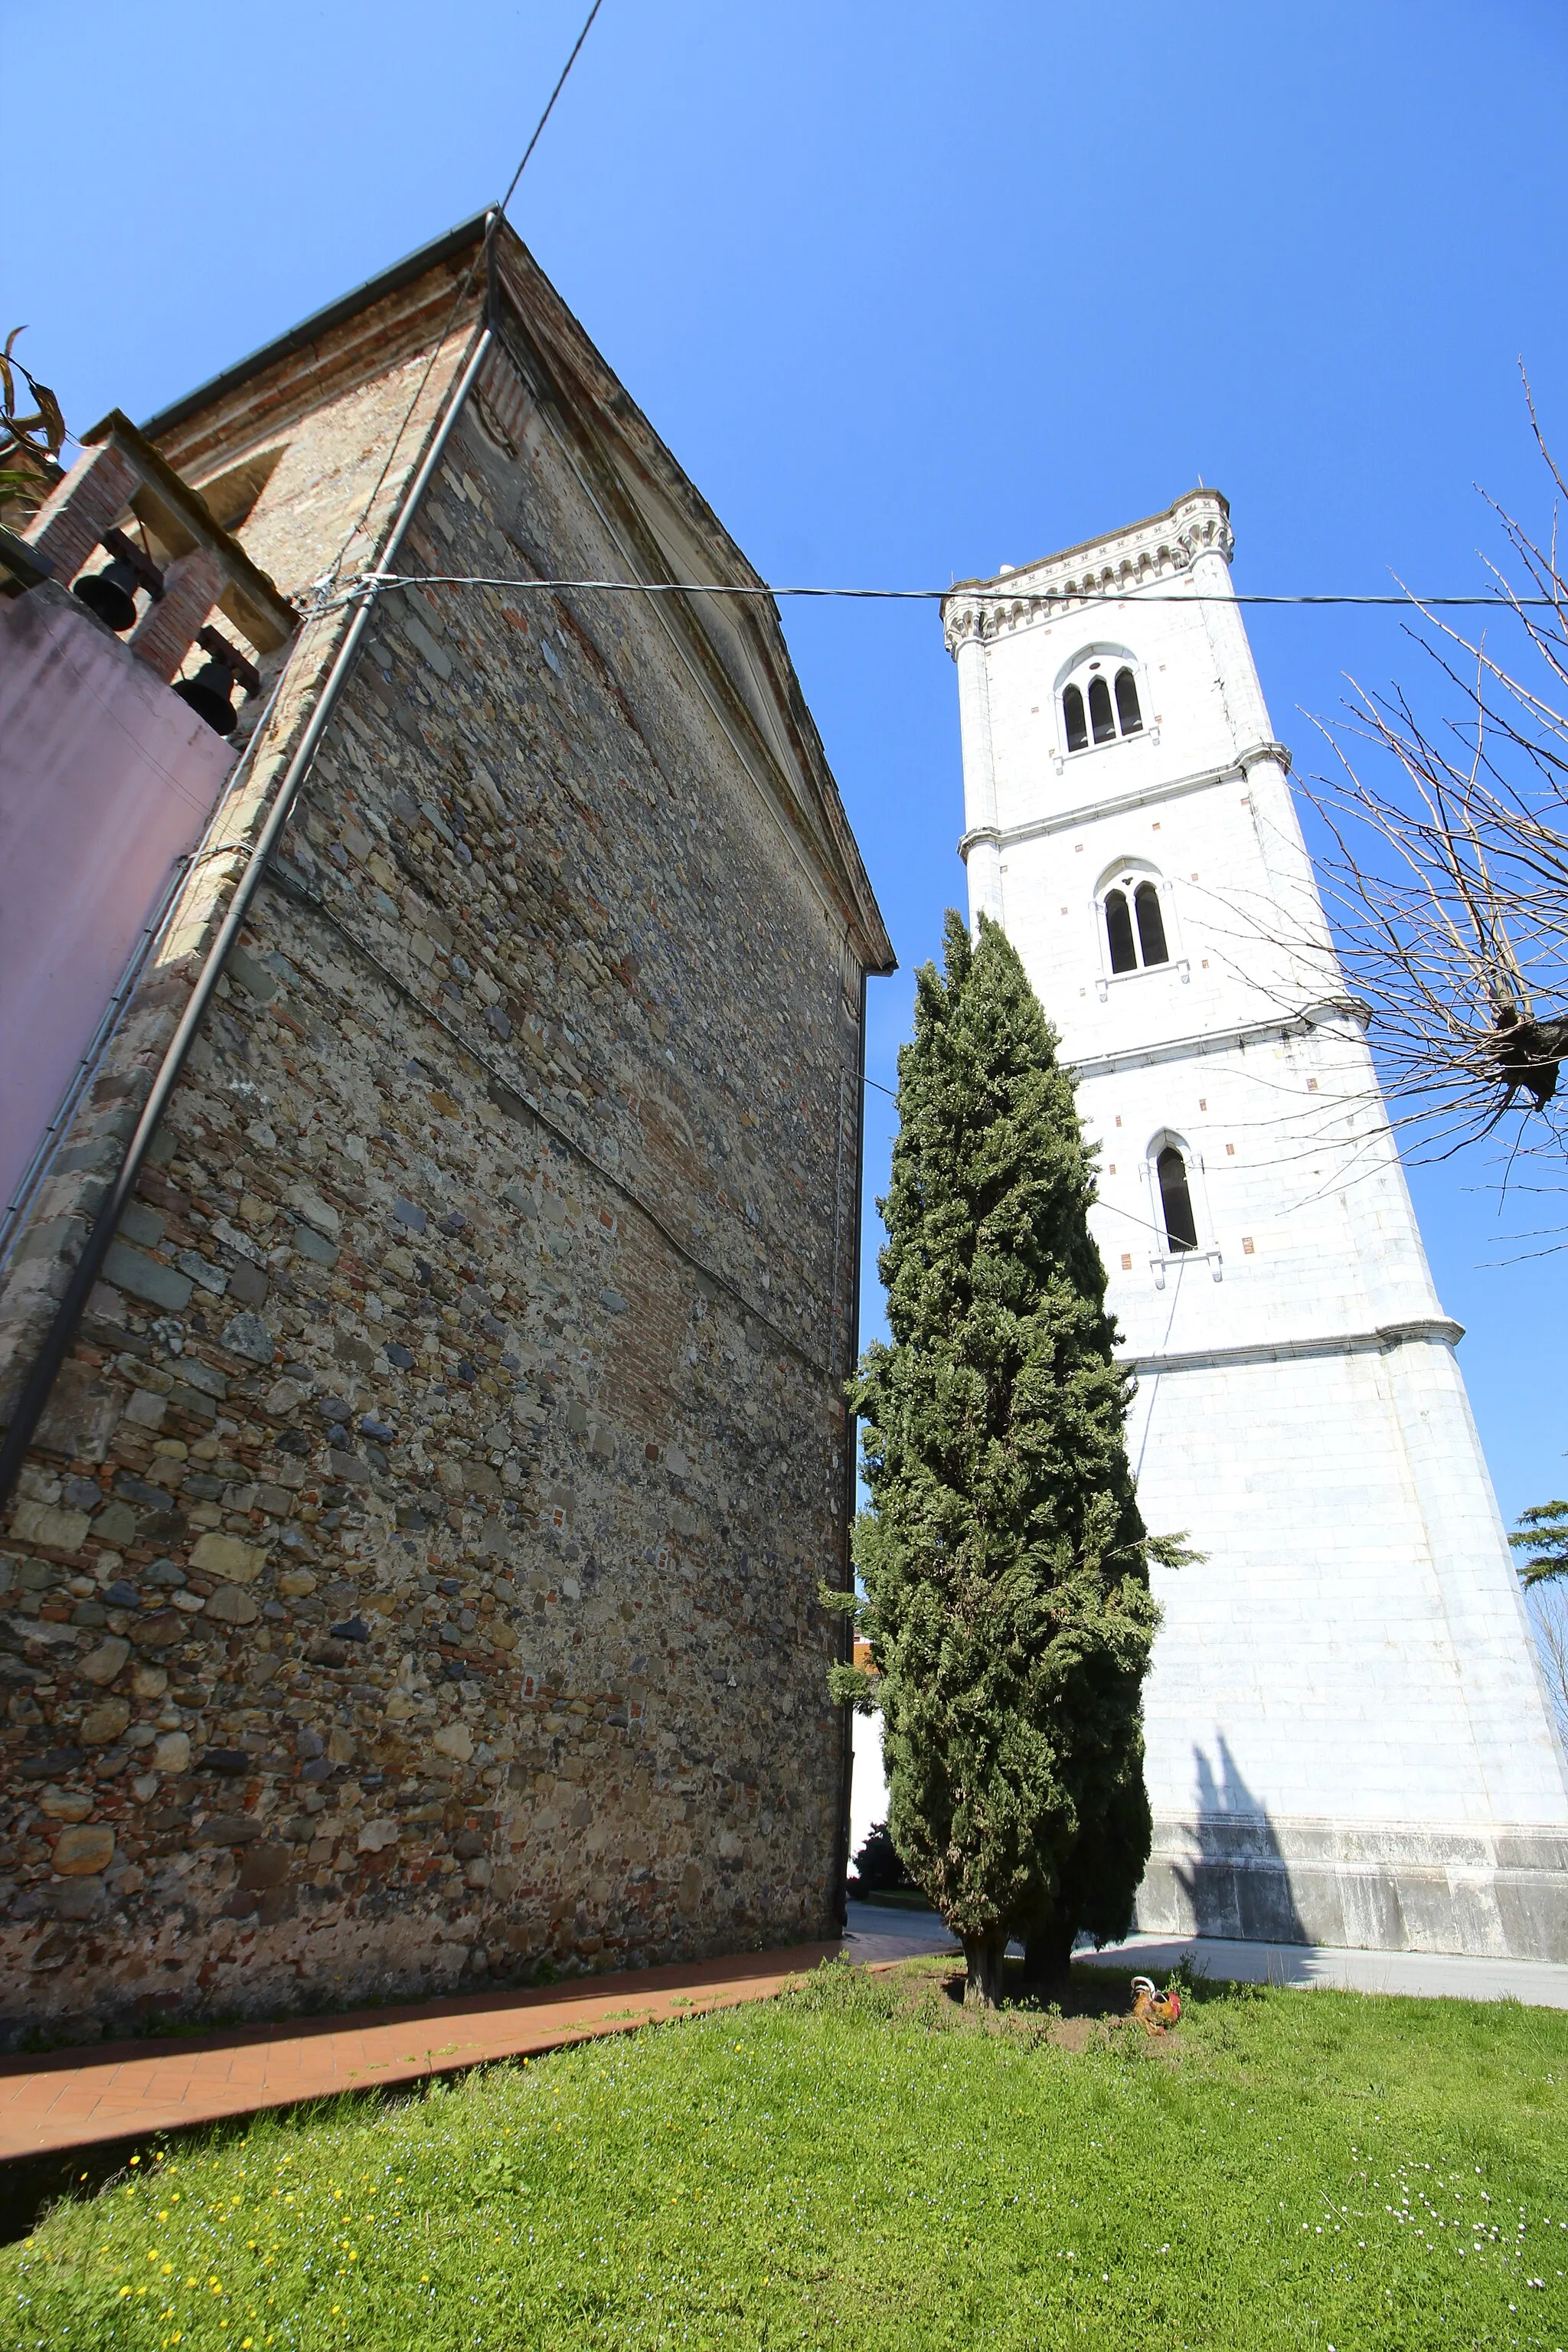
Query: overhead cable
(497, 213)
(374, 583)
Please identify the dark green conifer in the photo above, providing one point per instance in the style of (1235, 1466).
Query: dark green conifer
(1004, 1561)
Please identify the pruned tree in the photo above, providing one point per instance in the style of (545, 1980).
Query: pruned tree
(1004, 1563)
(1445, 873)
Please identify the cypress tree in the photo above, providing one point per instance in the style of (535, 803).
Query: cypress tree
(1003, 1558)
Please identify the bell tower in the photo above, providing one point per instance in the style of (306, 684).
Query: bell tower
(1349, 1741)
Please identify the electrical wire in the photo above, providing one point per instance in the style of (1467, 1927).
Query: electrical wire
(372, 584)
(482, 257)
(539, 127)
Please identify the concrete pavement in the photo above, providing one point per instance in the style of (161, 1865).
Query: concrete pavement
(1454, 1976)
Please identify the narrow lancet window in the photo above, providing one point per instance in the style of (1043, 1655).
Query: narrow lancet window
(1176, 1201)
(1118, 932)
(1127, 711)
(1072, 712)
(1099, 711)
(1150, 924)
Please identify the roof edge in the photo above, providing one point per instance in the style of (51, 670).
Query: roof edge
(319, 322)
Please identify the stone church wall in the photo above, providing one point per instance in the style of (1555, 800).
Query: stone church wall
(414, 1581)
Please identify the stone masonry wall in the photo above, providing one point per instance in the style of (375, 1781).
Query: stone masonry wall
(414, 1581)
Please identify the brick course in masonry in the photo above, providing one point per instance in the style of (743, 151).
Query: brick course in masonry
(415, 1579)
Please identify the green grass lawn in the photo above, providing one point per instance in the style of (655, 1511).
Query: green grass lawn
(861, 2164)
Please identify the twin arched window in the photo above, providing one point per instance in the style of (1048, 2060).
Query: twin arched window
(1134, 926)
(1103, 720)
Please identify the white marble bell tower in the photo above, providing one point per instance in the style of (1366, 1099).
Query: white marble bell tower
(1349, 1741)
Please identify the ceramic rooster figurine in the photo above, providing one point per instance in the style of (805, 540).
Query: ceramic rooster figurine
(1154, 2010)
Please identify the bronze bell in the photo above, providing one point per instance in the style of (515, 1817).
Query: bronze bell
(110, 594)
(209, 695)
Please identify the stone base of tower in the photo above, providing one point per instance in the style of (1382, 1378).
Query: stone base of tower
(1396, 1886)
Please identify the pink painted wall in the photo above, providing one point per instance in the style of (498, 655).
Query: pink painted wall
(106, 778)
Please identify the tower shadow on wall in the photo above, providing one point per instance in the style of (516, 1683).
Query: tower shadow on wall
(1238, 1884)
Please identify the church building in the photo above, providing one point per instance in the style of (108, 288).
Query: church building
(410, 1577)
(1349, 1741)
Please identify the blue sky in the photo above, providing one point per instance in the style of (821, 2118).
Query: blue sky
(912, 291)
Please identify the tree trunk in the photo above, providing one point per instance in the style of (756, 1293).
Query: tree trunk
(984, 1959)
(1047, 1955)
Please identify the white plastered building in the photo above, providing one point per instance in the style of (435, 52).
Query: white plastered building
(1349, 1741)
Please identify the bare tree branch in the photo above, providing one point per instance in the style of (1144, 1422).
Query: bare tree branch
(1445, 874)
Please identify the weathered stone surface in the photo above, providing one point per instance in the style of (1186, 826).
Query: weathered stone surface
(46, 1523)
(172, 1752)
(226, 1556)
(104, 1722)
(66, 1804)
(79, 1419)
(229, 1606)
(147, 1278)
(82, 1853)
(158, 1631)
(248, 1335)
(100, 1665)
(231, 1829)
(262, 1866)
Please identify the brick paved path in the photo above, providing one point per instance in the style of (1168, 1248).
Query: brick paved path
(78, 2098)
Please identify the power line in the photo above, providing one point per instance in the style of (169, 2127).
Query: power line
(372, 584)
(480, 258)
(538, 126)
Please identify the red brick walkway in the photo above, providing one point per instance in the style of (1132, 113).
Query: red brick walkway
(77, 2098)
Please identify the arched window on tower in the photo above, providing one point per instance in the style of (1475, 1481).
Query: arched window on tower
(1092, 705)
(1133, 910)
(1176, 1201)
(1151, 926)
(1118, 932)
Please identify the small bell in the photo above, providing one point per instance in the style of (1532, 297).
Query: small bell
(209, 695)
(110, 594)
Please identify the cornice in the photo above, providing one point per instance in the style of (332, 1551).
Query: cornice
(1381, 1342)
(1255, 754)
(1202, 780)
(1216, 1041)
(1119, 564)
(1039, 828)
